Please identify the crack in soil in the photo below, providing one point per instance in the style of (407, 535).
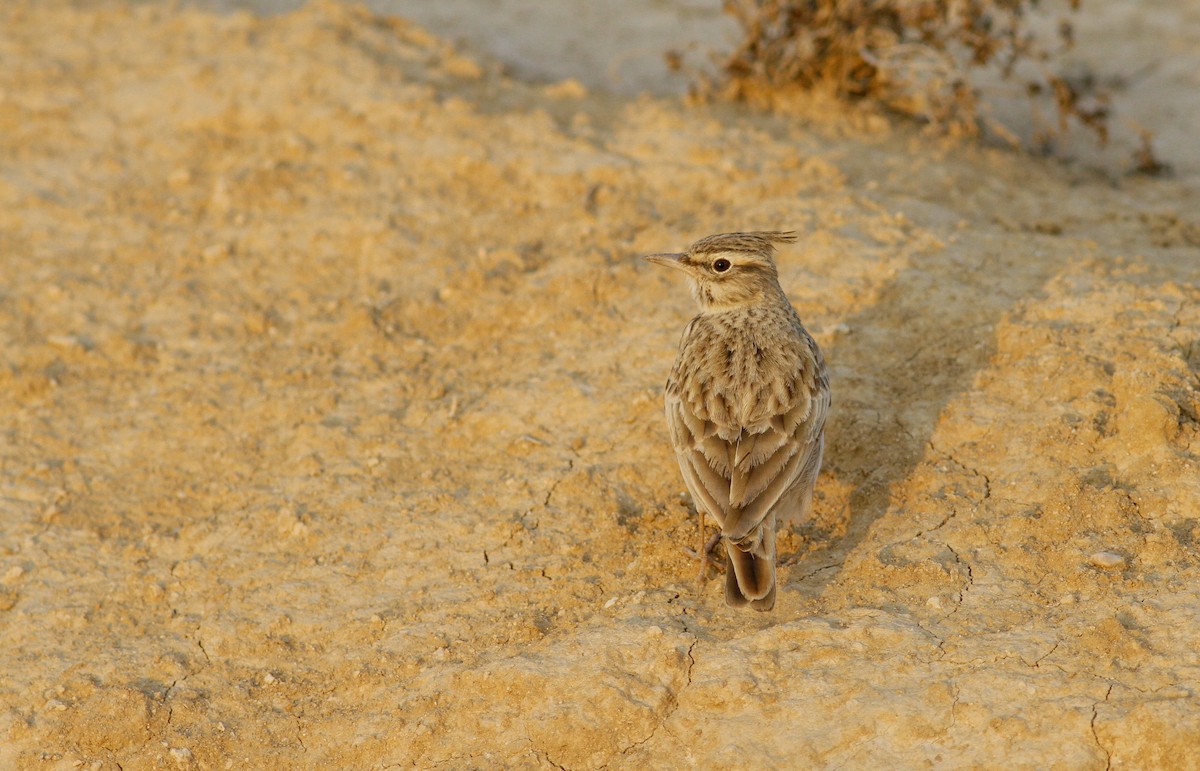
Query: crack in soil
(545, 756)
(557, 482)
(953, 513)
(987, 481)
(299, 732)
(674, 706)
(970, 578)
(954, 707)
(1095, 735)
(1038, 662)
(941, 643)
(821, 569)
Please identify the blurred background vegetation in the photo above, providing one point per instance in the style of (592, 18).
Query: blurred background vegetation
(921, 58)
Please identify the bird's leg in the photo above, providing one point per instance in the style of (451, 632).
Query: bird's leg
(706, 547)
(706, 552)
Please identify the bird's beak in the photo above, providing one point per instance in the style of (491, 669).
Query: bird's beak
(670, 260)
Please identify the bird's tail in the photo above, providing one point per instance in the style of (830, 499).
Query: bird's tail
(750, 568)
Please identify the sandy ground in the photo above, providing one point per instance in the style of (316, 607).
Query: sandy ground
(1144, 54)
(612, 45)
(332, 436)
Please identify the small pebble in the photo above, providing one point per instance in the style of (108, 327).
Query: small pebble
(215, 252)
(1107, 560)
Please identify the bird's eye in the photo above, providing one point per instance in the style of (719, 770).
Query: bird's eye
(721, 265)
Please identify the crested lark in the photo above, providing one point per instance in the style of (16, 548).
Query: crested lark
(746, 404)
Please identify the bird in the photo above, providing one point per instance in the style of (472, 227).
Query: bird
(746, 402)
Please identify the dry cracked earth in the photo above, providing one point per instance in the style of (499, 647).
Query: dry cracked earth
(331, 433)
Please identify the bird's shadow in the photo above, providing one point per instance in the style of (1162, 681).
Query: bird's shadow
(900, 361)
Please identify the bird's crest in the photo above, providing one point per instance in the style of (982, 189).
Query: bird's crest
(757, 242)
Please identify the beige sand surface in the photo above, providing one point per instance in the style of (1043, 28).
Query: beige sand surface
(330, 427)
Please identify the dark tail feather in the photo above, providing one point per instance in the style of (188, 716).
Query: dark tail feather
(750, 576)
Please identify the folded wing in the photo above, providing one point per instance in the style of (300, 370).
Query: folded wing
(739, 474)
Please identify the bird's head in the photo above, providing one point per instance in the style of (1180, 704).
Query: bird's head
(729, 269)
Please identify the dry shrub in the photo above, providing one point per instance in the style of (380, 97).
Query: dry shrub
(911, 56)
